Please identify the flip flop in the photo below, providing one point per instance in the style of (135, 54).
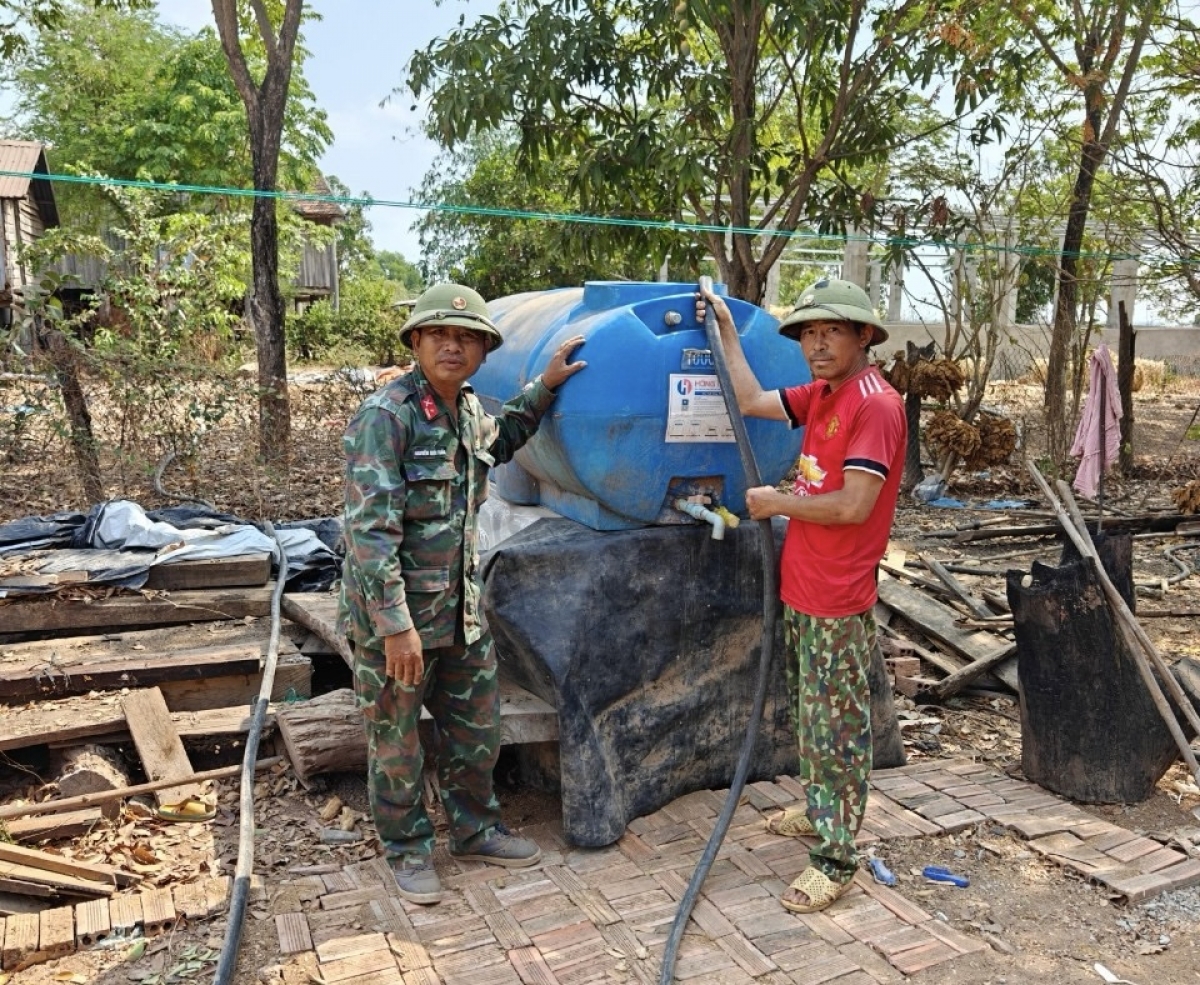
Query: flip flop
(791, 823)
(191, 809)
(818, 887)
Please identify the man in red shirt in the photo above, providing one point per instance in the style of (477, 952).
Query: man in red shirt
(840, 511)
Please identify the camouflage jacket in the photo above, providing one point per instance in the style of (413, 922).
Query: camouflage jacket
(414, 484)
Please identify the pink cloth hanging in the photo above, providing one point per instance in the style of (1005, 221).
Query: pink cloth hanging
(1098, 442)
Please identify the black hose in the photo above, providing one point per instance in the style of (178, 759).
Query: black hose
(227, 962)
(766, 651)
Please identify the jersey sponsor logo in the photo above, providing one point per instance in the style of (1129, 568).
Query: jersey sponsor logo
(808, 473)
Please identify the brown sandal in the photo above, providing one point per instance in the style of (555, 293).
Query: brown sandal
(818, 887)
(792, 823)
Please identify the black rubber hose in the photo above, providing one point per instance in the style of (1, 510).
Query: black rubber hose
(766, 652)
(227, 962)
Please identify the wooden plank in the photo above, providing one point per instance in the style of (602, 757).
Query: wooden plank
(59, 680)
(21, 887)
(938, 621)
(99, 718)
(53, 880)
(68, 615)
(56, 933)
(293, 680)
(240, 571)
(20, 940)
(159, 746)
(92, 922)
(50, 862)
(66, 825)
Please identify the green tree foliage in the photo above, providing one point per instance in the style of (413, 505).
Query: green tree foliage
(118, 93)
(395, 268)
(365, 325)
(498, 254)
(1094, 51)
(17, 16)
(747, 114)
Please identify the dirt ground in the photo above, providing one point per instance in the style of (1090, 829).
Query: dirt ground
(1042, 925)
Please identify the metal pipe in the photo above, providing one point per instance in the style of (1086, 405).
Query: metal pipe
(701, 513)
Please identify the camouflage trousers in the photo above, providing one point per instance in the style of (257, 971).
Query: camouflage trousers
(830, 704)
(461, 691)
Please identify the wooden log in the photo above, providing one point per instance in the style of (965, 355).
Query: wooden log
(90, 769)
(326, 734)
(91, 799)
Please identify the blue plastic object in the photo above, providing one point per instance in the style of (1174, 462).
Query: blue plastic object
(935, 873)
(645, 423)
(881, 873)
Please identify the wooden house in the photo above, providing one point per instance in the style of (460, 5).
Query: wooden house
(27, 210)
(318, 274)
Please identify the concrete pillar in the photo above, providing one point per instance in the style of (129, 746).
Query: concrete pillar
(1123, 287)
(854, 260)
(895, 292)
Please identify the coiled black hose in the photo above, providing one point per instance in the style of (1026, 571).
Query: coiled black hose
(766, 537)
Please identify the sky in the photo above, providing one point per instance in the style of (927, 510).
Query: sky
(357, 55)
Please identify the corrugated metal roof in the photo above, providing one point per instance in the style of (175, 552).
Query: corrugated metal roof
(27, 157)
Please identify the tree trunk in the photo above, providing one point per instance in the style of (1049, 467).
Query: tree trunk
(266, 311)
(1125, 367)
(83, 439)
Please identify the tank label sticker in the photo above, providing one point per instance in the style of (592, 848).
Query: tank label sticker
(696, 359)
(696, 409)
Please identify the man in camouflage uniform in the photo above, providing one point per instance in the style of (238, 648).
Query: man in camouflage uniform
(839, 511)
(417, 457)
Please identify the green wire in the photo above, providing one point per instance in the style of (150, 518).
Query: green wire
(570, 217)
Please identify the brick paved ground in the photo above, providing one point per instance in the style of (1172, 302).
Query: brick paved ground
(603, 915)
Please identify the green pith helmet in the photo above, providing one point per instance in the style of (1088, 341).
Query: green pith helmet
(833, 300)
(452, 304)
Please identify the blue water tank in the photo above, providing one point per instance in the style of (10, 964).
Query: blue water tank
(645, 423)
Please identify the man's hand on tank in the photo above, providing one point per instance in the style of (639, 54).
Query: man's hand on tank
(404, 659)
(559, 369)
(719, 307)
